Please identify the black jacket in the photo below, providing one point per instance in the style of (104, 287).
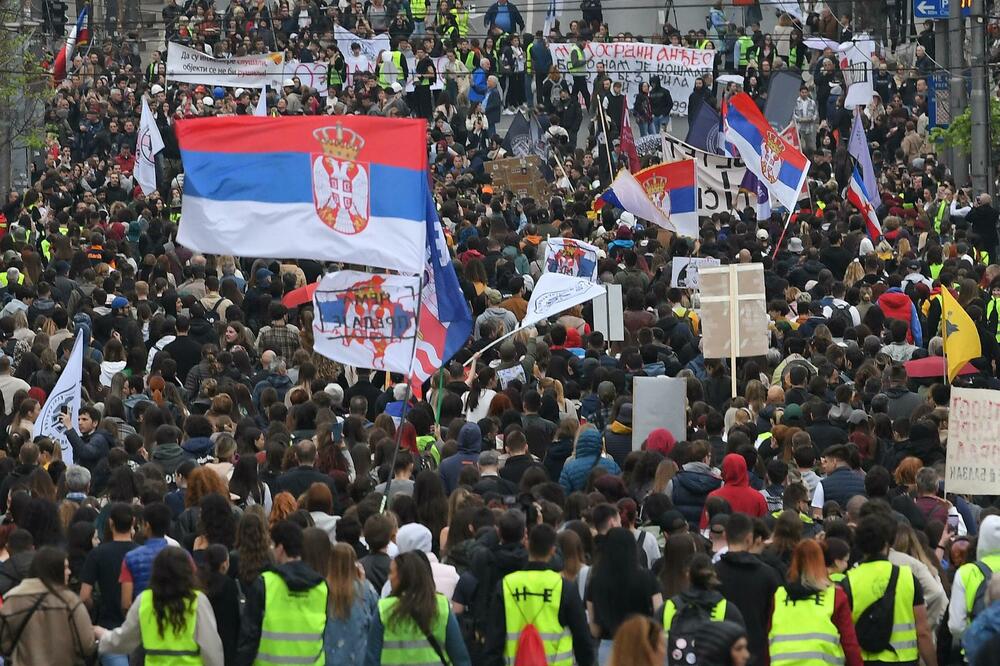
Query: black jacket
(89, 449)
(297, 481)
(298, 576)
(750, 584)
(571, 616)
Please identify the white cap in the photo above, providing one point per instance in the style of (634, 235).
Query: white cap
(156, 89)
(292, 37)
(208, 101)
(288, 83)
(239, 91)
(396, 88)
(627, 219)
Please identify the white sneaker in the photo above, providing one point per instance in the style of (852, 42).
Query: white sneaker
(508, 112)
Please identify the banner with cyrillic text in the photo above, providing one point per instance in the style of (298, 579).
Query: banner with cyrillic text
(973, 456)
(633, 63)
(253, 71)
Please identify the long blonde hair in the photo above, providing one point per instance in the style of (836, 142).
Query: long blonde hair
(341, 577)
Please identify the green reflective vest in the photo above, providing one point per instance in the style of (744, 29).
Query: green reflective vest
(533, 597)
(462, 20)
(404, 643)
(581, 68)
(838, 577)
(746, 43)
(935, 270)
(3, 279)
(939, 215)
(294, 620)
(803, 632)
(333, 77)
(172, 647)
(418, 9)
(670, 610)
(868, 583)
(386, 79)
(972, 577)
(991, 311)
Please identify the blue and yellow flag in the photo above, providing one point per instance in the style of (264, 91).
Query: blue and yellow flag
(961, 339)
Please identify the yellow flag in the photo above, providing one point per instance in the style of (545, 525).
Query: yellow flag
(961, 339)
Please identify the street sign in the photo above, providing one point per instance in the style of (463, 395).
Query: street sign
(930, 9)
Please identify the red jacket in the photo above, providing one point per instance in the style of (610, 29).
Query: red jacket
(736, 490)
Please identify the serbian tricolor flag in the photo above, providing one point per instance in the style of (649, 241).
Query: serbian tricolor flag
(445, 321)
(344, 188)
(779, 165)
(78, 34)
(858, 195)
(665, 194)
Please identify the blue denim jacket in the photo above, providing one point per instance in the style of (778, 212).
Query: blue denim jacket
(345, 642)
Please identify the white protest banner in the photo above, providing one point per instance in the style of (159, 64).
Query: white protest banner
(719, 177)
(311, 74)
(856, 64)
(411, 67)
(609, 314)
(684, 270)
(366, 320)
(555, 293)
(65, 396)
(973, 456)
(658, 402)
(571, 257)
(633, 63)
(366, 60)
(253, 71)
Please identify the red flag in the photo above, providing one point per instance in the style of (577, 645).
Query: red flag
(78, 35)
(628, 143)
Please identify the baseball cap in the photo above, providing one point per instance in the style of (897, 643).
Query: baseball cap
(857, 417)
(240, 91)
(718, 523)
(493, 296)
(208, 101)
(263, 274)
(288, 83)
(763, 235)
(119, 302)
(156, 89)
(673, 522)
(396, 88)
(793, 414)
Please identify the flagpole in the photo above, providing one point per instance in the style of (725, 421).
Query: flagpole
(495, 343)
(777, 246)
(607, 139)
(406, 398)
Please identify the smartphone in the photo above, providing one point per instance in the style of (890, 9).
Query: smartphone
(64, 409)
(953, 524)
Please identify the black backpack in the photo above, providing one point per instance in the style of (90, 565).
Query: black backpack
(842, 313)
(874, 625)
(682, 634)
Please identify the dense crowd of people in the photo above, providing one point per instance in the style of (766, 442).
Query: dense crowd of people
(235, 498)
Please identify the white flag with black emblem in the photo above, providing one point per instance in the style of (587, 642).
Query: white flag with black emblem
(556, 292)
(65, 397)
(148, 143)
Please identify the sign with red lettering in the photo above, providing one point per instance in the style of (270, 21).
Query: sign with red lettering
(973, 457)
(633, 63)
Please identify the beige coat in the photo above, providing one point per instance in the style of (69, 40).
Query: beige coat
(58, 633)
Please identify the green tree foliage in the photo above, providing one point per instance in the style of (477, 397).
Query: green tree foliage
(959, 133)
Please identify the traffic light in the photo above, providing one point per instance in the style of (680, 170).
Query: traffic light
(55, 17)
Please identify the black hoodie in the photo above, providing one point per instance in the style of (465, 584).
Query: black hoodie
(750, 584)
(298, 576)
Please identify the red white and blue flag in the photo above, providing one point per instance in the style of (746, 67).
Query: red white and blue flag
(347, 188)
(79, 34)
(857, 194)
(445, 319)
(780, 166)
(665, 194)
